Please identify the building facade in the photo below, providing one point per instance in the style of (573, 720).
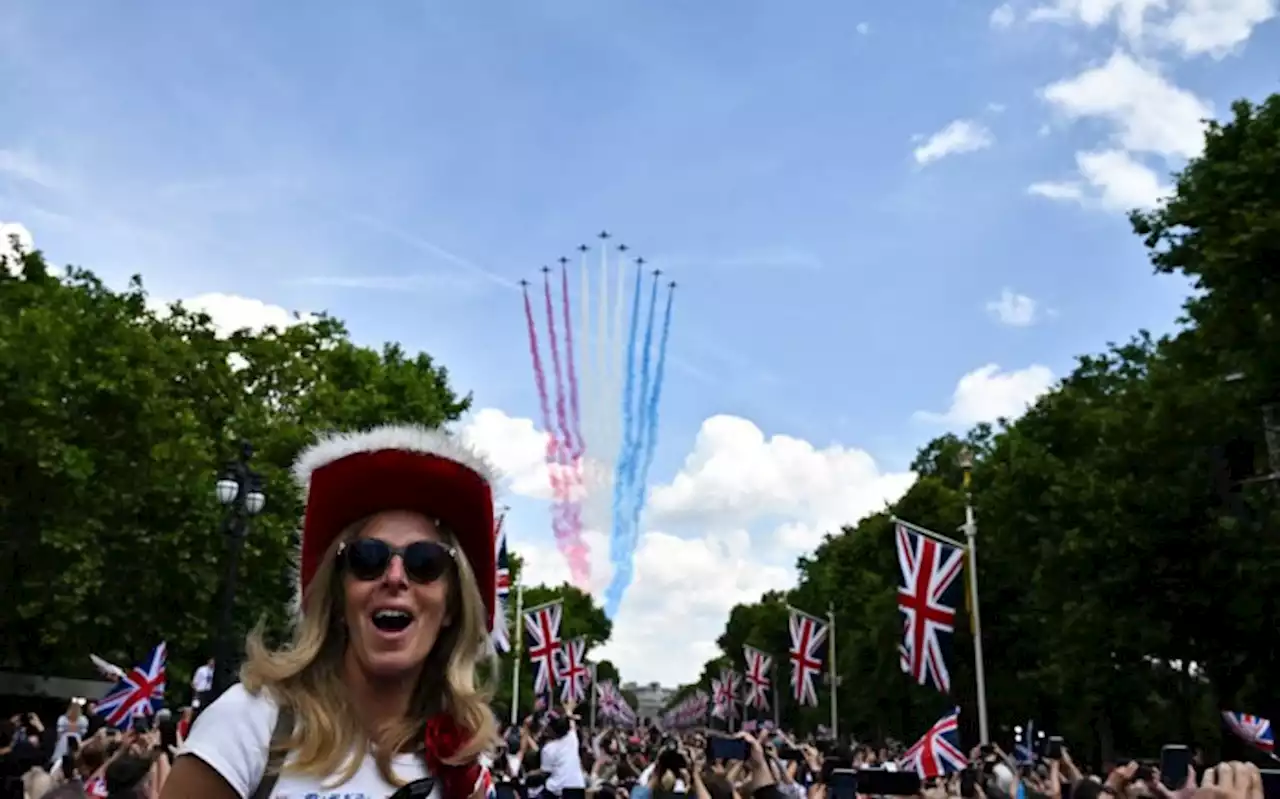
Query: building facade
(651, 698)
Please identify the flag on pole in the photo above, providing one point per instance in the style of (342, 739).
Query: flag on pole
(502, 589)
(807, 635)
(140, 692)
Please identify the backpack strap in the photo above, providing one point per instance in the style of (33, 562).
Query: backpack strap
(281, 733)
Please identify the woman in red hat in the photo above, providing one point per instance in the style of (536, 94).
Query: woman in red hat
(378, 689)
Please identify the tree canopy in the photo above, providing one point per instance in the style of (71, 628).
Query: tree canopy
(1128, 567)
(118, 421)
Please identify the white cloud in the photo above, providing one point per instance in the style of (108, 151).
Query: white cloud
(8, 232)
(1122, 183)
(1057, 190)
(726, 529)
(996, 108)
(1216, 27)
(1002, 16)
(1013, 309)
(515, 446)
(232, 312)
(987, 394)
(1116, 181)
(696, 581)
(1192, 27)
(735, 476)
(863, 28)
(1150, 114)
(961, 136)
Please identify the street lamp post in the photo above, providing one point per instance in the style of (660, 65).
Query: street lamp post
(970, 528)
(240, 491)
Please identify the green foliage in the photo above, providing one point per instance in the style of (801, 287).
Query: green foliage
(118, 422)
(1111, 551)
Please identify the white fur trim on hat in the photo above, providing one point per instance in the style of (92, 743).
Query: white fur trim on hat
(406, 438)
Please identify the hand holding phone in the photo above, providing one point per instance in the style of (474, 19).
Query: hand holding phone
(1175, 762)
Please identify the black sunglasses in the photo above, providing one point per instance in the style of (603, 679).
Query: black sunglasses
(369, 558)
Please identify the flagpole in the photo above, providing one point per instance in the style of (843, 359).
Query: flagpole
(517, 646)
(773, 667)
(971, 537)
(593, 698)
(831, 658)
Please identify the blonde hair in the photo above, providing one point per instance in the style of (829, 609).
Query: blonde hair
(36, 783)
(306, 676)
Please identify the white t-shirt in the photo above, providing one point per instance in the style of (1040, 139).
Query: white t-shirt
(203, 679)
(562, 763)
(66, 728)
(233, 736)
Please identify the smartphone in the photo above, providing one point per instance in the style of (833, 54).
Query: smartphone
(878, 782)
(842, 783)
(141, 724)
(789, 753)
(1053, 748)
(727, 749)
(1175, 759)
(670, 759)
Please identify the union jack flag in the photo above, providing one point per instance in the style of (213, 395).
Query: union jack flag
(758, 665)
(690, 712)
(726, 699)
(938, 753)
(927, 601)
(485, 784)
(612, 705)
(542, 642)
(1253, 730)
(500, 636)
(717, 692)
(574, 672)
(807, 635)
(96, 787)
(139, 693)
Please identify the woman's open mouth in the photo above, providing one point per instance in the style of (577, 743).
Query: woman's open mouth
(391, 622)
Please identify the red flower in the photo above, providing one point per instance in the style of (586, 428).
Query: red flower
(443, 740)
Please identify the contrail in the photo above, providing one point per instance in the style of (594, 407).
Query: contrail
(571, 373)
(633, 482)
(575, 550)
(631, 407)
(652, 401)
(562, 542)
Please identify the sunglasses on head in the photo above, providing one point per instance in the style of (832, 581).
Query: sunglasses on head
(369, 558)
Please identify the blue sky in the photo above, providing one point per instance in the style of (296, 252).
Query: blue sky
(402, 164)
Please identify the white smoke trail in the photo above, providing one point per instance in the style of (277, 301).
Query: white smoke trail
(586, 367)
(597, 506)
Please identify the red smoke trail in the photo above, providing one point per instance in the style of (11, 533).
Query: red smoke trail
(578, 446)
(575, 416)
(540, 382)
(562, 417)
(568, 506)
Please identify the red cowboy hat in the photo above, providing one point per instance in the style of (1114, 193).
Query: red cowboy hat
(347, 477)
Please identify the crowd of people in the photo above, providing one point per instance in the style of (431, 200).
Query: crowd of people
(377, 694)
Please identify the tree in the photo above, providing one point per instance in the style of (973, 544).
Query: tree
(607, 672)
(118, 421)
(1128, 580)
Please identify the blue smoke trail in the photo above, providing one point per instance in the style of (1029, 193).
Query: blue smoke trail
(630, 425)
(623, 544)
(651, 415)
